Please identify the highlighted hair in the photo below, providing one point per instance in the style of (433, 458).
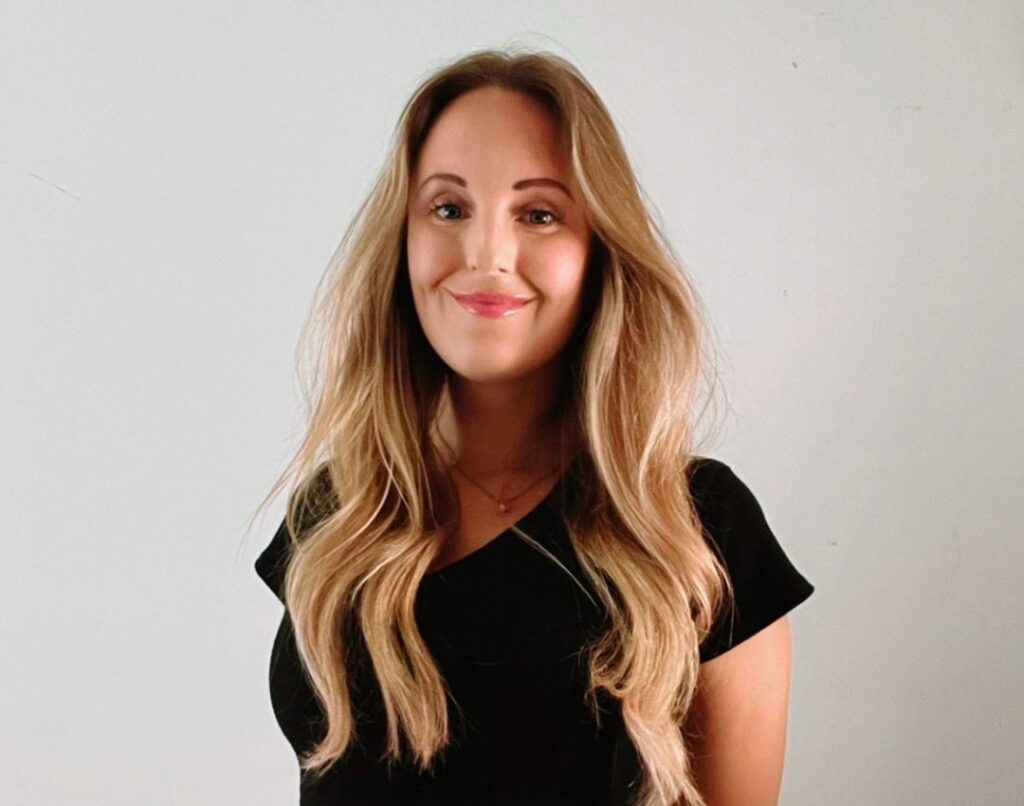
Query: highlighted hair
(373, 500)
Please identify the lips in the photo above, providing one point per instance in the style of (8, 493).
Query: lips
(491, 306)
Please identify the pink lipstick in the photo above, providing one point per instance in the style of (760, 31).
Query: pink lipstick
(492, 306)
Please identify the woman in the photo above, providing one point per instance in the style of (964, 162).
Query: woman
(508, 579)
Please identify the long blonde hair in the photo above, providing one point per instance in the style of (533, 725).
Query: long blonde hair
(372, 499)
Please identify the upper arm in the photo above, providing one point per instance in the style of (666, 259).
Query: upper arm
(736, 727)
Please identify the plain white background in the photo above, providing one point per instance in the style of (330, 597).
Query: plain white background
(845, 182)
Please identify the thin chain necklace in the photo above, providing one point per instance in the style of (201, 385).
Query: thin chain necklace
(504, 503)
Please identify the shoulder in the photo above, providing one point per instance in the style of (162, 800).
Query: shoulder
(714, 483)
(319, 499)
(731, 514)
(726, 506)
(766, 583)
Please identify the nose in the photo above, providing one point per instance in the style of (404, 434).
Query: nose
(491, 245)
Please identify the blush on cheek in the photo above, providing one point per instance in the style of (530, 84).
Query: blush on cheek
(563, 265)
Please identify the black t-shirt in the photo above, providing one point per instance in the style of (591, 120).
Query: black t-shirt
(506, 625)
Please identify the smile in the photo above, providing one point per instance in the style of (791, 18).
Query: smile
(491, 306)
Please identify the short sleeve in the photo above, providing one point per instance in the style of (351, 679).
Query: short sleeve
(765, 582)
(272, 562)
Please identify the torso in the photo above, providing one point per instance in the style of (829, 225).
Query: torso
(506, 627)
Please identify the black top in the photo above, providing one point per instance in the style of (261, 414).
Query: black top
(505, 625)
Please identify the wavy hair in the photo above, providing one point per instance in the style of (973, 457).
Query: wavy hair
(364, 537)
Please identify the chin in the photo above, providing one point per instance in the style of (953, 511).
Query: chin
(483, 369)
(481, 374)
(491, 371)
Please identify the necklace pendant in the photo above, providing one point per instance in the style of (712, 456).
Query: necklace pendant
(502, 506)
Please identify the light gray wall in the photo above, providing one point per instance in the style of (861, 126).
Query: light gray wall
(845, 181)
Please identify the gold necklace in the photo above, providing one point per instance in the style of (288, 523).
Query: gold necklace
(505, 503)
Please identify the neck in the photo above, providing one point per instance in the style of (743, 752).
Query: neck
(500, 428)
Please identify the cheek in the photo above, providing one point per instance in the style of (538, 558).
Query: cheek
(432, 255)
(563, 267)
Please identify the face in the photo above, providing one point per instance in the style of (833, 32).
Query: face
(497, 238)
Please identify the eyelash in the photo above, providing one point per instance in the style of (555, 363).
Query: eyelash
(555, 218)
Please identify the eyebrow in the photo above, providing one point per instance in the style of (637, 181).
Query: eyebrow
(540, 181)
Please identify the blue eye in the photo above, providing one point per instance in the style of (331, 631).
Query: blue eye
(446, 205)
(451, 211)
(551, 217)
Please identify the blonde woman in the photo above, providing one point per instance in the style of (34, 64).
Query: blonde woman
(508, 578)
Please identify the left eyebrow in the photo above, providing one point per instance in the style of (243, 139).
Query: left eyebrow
(541, 182)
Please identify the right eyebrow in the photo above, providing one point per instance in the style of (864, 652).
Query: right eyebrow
(458, 180)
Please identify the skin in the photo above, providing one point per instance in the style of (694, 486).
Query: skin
(737, 723)
(473, 230)
(482, 234)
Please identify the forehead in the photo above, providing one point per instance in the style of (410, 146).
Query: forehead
(494, 130)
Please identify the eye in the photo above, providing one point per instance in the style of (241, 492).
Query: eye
(447, 211)
(541, 217)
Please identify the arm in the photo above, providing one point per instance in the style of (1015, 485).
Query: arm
(737, 722)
